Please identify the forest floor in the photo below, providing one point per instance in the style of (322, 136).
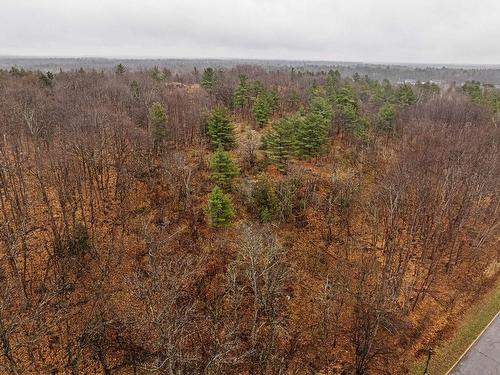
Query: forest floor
(475, 320)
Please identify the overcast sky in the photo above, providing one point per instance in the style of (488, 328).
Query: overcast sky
(420, 31)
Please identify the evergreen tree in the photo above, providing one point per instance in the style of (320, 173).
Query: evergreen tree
(120, 69)
(17, 72)
(332, 84)
(46, 79)
(385, 117)
(301, 134)
(483, 95)
(493, 100)
(208, 79)
(320, 106)
(261, 109)
(273, 100)
(473, 90)
(223, 169)
(279, 141)
(220, 211)
(382, 92)
(220, 128)
(241, 95)
(156, 74)
(346, 105)
(157, 121)
(312, 129)
(405, 95)
(258, 89)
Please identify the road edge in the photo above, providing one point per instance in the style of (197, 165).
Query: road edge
(472, 344)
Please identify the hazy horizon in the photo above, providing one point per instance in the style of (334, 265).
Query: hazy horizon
(231, 59)
(424, 32)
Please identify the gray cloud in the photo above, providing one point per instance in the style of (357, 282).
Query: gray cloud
(434, 31)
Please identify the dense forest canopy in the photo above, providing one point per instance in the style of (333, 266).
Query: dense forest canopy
(242, 218)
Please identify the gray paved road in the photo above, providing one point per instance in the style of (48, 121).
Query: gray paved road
(483, 358)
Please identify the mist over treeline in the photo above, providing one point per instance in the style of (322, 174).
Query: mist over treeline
(489, 74)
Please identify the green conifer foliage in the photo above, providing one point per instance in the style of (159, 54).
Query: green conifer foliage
(258, 88)
(220, 129)
(208, 79)
(405, 95)
(312, 129)
(311, 135)
(332, 84)
(382, 92)
(321, 106)
(120, 69)
(483, 95)
(273, 99)
(157, 121)
(261, 109)
(346, 105)
(241, 95)
(301, 134)
(385, 117)
(279, 141)
(156, 74)
(473, 90)
(219, 210)
(222, 169)
(46, 79)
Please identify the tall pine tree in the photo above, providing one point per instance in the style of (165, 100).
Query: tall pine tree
(278, 142)
(273, 99)
(208, 79)
(222, 169)
(311, 134)
(347, 108)
(220, 129)
(241, 95)
(261, 108)
(119, 69)
(157, 122)
(312, 129)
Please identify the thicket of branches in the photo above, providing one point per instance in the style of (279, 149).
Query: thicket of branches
(356, 216)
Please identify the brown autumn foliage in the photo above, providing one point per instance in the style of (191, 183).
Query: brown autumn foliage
(108, 264)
